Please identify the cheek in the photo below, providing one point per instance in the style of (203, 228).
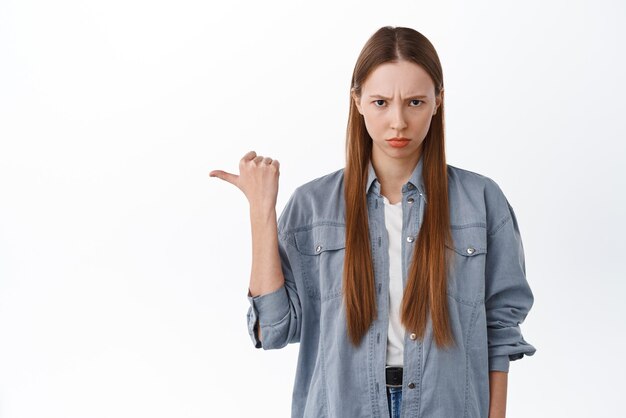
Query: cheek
(373, 121)
(371, 124)
(422, 123)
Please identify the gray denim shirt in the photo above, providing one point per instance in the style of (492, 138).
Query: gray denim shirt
(489, 297)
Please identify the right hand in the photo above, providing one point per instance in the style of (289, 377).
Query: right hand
(257, 179)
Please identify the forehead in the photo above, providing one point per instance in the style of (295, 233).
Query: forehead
(402, 76)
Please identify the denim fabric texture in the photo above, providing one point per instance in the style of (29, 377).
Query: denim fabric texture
(488, 298)
(394, 401)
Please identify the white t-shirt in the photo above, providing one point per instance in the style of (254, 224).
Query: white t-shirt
(395, 334)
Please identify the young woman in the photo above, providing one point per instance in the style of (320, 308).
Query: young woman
(401, 276)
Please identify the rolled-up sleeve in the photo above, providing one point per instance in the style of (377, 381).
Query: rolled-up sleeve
(274, 309)
(508, 297)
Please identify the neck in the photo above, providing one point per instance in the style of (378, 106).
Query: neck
(393, 173)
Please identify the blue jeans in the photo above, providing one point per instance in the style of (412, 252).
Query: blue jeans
(394, 401)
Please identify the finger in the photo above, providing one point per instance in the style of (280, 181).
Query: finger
(267, 160)
(276, 163)
(249, 155)
(231, 178)
(258, 159)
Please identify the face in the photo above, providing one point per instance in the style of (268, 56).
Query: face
(398, 101)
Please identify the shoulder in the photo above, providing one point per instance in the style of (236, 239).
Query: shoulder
(469, 189)
(322, 183)
(463, 177)
(319, 200)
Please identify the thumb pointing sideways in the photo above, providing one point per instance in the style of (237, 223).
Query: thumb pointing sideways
(231, 178)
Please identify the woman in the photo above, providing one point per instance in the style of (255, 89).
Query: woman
(402, 277)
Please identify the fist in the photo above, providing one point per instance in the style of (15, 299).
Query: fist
(257, 179)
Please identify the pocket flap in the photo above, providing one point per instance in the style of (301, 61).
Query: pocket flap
(321, 238)
(469, 241)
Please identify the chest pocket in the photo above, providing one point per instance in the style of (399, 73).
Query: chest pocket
(466, 276)
(322, 253)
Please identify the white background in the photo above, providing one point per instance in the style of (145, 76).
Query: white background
(124, 268)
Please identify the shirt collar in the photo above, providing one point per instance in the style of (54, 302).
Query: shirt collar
(416, 179)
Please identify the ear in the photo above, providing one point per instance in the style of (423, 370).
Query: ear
(357, 101)
(438, 101)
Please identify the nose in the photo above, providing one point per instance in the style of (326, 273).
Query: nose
(398, 122)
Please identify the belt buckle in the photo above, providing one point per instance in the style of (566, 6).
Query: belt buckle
(390, 385)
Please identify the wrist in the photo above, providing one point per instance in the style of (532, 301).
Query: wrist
(262, 213)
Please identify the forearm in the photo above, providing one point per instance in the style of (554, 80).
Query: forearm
(497, 394)
(266, 275)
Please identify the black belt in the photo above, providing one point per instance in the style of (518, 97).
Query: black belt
(393, 375)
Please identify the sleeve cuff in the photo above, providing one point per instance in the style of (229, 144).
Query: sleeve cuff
(273, 307)
(499, 363)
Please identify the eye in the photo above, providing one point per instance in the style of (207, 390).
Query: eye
(416, 100)
(379, 100)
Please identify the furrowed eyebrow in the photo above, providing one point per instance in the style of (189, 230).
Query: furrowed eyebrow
(378, 96)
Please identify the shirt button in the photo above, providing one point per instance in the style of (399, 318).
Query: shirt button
(411, 385)
(413, 336)
(470, 250)
(410, 238)
(318, 248)
(410, 200)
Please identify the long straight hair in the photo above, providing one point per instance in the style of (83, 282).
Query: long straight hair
(426, 288)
